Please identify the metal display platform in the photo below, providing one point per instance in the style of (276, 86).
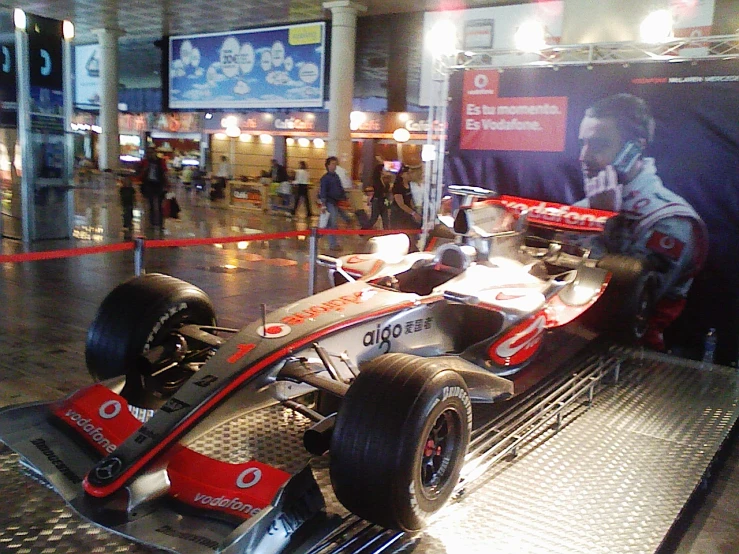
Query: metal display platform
(606, 458)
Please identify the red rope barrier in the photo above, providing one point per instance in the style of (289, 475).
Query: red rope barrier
(372, 232)
(67, 253)
(167, 243)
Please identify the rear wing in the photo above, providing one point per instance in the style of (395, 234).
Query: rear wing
(557, 216)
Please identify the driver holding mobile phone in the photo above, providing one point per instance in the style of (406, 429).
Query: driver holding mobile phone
(653, 223)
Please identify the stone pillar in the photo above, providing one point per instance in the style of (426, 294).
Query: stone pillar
(341, 91)
(109, 140)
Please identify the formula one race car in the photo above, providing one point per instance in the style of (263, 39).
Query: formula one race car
(190, 441)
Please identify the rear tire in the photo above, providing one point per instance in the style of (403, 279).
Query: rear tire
(138, 315)
(400, 439)
(624, 309)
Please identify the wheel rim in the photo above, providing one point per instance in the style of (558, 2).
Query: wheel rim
(440, 449)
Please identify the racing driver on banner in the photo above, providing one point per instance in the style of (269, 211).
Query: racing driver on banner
(653, 223)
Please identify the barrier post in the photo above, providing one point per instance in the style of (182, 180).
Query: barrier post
(138, 256)
(313, 257)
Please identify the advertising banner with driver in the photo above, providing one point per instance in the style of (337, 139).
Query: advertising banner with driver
(657, 144)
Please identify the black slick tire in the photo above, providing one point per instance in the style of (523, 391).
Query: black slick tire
(400, 439)
(137, 315)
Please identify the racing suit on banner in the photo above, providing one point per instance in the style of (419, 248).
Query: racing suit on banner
(659, 226)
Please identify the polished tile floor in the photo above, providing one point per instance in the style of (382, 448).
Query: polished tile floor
(45, 307)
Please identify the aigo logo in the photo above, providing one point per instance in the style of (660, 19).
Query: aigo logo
(520, 343)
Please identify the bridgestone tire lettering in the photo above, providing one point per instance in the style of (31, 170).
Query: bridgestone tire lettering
(385, 431)
(136, 316)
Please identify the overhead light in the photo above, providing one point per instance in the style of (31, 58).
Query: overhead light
(265, 139)
(289, 141)
(303, 142)
(19, 18)
(68, 30)
(656, 27)
(356, 119)
(441, 40)
(233, 131)
(245, 137)
(319, 143)
(401, 134)
(208, 115)
(229, 121)
(220, 136)
(530, 37)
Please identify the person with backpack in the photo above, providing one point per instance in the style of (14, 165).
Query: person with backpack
(330, 193)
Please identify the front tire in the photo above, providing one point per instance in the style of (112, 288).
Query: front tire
(140, 314)
(400, 439)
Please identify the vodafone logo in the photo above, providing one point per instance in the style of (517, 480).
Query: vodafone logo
(273, 330)
(520, 343)
(249, 477)
(110, 409)
(481, 83)
(481, 80)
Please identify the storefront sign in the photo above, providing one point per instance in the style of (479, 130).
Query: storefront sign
(172, 122)
(292, 123)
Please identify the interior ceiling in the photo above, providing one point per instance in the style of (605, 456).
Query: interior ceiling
(151, 19)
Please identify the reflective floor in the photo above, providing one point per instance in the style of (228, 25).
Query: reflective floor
(46, 306)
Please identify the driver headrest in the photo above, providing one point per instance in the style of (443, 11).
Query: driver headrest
(452, 255)
(483, 221)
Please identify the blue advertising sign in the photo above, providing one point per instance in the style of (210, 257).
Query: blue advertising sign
(278, 67)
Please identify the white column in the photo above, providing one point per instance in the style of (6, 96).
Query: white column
(109, 141)
(341, 93)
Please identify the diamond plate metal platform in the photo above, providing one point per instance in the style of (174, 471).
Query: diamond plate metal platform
(613, 477)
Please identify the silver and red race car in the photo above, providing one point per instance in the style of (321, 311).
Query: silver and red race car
(190, 440)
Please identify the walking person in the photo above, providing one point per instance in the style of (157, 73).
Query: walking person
(127, 196)
(223, 175)
(153, 173)
(330, 193)
(302, 180)
(402, 212)
(379, 201)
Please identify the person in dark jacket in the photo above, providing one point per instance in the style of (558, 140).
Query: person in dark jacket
(279, 173)
(378, 205)
(153, 174)
(402, 212)
(330, 193)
